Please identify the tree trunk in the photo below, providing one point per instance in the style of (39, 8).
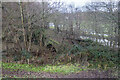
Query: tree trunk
(29, 30)
(22, 21)
(119, 25)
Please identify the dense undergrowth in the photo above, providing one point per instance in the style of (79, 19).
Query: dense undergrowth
(83, 56)
(93, 54)
(102, 56)
(84, 52)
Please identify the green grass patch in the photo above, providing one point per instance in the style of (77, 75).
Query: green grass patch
(52, 27)
(15, 66)
(62, 69)
(0, 64)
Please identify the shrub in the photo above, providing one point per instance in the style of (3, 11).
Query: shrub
(101, 55)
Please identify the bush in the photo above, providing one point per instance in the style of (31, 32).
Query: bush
(26, 54)
(100, 55)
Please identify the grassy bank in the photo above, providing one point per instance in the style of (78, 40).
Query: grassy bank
(62, 69)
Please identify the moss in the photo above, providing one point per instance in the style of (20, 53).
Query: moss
(54, 41)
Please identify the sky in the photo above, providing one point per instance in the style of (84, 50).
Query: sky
(76, 2)
(79, 3)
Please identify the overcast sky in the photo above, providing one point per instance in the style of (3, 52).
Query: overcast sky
(78, 3)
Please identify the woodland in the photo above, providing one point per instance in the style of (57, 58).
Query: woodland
(57, 40)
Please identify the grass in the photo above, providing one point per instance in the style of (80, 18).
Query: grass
(15, 66)
(62, 69)
(0, 64)
(52, 27)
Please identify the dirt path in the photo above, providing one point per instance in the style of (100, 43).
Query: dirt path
(83, 74)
